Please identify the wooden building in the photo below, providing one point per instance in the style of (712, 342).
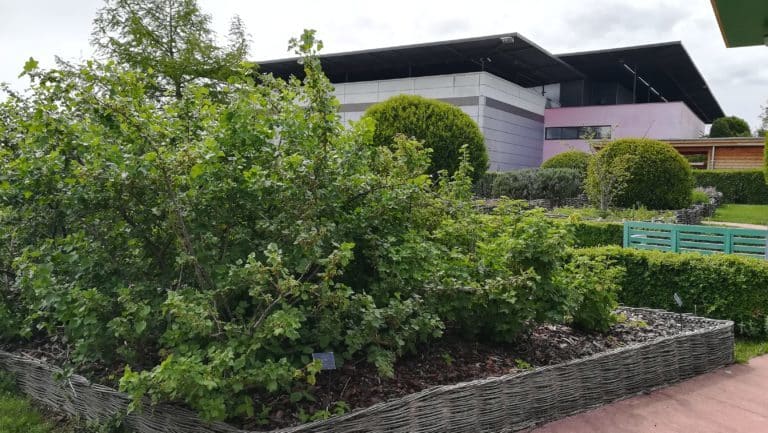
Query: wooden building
(722, 153)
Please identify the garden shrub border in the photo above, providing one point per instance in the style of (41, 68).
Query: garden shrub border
(507, 403)
(722, 286)
(738, 186)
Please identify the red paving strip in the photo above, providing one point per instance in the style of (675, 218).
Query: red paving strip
(729, 400)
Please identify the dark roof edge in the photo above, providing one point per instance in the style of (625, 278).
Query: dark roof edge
(432, 44)
(626, 48)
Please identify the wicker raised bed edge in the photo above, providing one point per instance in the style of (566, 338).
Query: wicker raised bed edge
(500, 404)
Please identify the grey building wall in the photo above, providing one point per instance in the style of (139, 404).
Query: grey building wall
(514, 140)
(511, 117)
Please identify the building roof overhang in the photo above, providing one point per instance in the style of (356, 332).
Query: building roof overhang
(742, 22)
(666, 68)
(510, 56)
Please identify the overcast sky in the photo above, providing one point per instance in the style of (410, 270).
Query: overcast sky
(738, 77)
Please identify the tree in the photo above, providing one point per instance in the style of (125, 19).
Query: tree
(761, 131)
(730, 126)
(607, 178)
(169, 39)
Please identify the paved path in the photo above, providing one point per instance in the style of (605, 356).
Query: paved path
(729, 400)
(738, 225)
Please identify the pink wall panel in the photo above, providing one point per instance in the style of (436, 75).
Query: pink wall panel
(655, 120)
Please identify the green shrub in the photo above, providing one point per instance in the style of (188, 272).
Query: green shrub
(556, 184)
(765, 157)
(737, 186)
(597, 234)
(483, 187)
(699, 197)
(657, 176)
(593, 284)
(718, 286)
(730, 126)
(442, 127)
(574, 159)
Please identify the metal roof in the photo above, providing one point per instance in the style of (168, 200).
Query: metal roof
(666, 67)
(742, 22)
(509, 56)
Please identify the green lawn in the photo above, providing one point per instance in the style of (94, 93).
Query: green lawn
(742, 213)
(749, 348)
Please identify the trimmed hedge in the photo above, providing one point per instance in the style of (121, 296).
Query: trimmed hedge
(597, 234)
(575, 159)
(442, 127)
(719, 286)
(659, 176)
(737, 186)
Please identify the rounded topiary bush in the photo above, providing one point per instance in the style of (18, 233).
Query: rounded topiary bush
(641, 171)
(442, 127)
(574, 159)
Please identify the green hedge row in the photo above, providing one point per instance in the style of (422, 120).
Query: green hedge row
(598, 234)
(737, 186)
(719, 286)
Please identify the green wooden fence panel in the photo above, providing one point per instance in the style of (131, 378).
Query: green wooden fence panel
(700, 239)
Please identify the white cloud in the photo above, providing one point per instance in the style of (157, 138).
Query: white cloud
(44, 28)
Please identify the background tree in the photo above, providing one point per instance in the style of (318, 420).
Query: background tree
(171, 40)
(730, 126)
(763, 128)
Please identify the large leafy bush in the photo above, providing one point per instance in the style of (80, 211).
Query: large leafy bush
(574, 159)
(211, 243)
(657, 176)
(737, 186)
(442, 127)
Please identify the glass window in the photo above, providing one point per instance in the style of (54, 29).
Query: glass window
(553, 134)
(578, 132)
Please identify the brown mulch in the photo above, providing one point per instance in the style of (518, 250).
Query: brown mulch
(453, 360)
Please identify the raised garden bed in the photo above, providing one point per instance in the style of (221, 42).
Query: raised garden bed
(670, 349)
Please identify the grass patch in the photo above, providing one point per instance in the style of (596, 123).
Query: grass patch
(17, 415)
(748, 348)
(742, 213)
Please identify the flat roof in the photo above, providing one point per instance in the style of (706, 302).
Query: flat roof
(742, 23)
(510, 56)
(717, 142)
(666, 67)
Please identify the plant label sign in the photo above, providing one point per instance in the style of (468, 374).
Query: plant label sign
(677, 299)
(326, 359)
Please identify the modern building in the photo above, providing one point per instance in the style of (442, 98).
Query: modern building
(530, 104)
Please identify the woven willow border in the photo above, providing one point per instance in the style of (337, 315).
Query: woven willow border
(500, 404)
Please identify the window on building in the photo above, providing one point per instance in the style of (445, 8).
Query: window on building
(697, 159)
(578, 133)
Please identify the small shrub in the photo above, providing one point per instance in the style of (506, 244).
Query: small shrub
(593, 285)
(657, 176)
(718, 286)
(699, 197)
(555, 184)
(574, 159)
(737, 186)
(442, 127)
